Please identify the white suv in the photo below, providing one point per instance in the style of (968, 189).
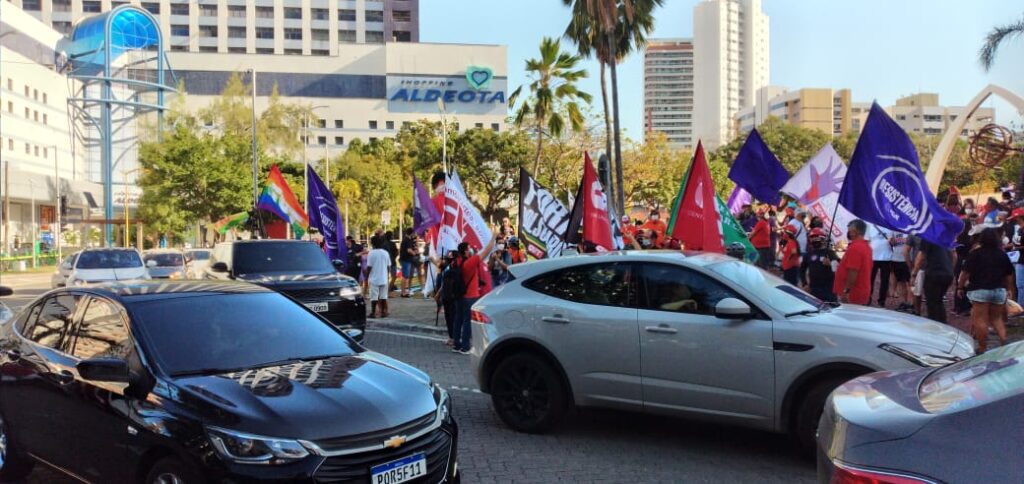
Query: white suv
(109, 264)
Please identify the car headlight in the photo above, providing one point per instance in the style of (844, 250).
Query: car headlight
(919, 355)
(349, 291)
(253, 449)
(177, 275)
(80, 282)
(444, 403)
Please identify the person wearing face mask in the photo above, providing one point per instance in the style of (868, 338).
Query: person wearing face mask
(760, 238)
(853, 276)
(968, 209)
(656, 225)
(499, 261)
(473, 274)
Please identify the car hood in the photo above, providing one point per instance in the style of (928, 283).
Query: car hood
(288, 278)
(897, 327)
(119, 274)
(314, 400)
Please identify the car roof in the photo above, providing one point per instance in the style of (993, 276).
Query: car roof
(99, 249)
(267, 241)
(145, 290)
(161, 251)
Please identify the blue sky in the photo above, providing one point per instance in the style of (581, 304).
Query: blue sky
(881, 49)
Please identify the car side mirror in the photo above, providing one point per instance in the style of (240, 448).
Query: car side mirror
(151, 263)
(219, 267)
(339, 265)
(732, 308)
(6, 291)
(66, 265)
(356, 334)
(111, 370)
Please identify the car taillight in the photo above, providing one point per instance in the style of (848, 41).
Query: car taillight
(845, 474)
(478, 317)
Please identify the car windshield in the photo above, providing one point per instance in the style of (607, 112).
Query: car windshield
(269, 257)
(108, 259)
(230, 332)
(199, 255)
(991, 376)
(774, 291)
(165, 260)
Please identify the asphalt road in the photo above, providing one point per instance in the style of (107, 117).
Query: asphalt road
(589, 446)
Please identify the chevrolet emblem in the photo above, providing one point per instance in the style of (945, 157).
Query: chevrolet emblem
(394, 442)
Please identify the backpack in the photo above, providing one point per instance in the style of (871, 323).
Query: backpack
(453, 287)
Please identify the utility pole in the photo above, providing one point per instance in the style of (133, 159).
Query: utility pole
(444, 136)
(59, 230)
(7, 205)
(305, 162)
(32, 194)
(255, 161)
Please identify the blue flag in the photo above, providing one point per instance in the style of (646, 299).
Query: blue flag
(424, 214)
(758, 171)
(324, 215)
(884, 184)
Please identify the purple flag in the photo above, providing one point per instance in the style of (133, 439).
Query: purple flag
(738, 199)
(424, 213)
(758, 171)
(324, 215)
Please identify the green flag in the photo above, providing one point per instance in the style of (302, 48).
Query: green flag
(732, 231)
(678, 200)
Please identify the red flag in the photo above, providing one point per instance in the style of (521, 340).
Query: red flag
(697, 224)
(597, 228)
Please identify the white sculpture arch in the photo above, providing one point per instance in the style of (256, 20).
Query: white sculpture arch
(937, 166)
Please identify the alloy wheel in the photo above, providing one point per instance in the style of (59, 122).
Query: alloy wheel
(168, 478)
(524, 394)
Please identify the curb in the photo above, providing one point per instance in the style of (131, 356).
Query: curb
(388, 323)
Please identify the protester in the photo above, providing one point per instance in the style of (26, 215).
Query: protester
(968, 209)
(881, 253)
(445, 294)
(953, 204)
(773, 235)
(1017, 217)
(628, 230)
(964, 243)
(747, 218)
(992, 210)
(852, 283)
(916, 277)
(790, 256)
(900, 269)
(506, 228)
(988, 279)
(498, 263)
(409, 258)
(760, 238)
(820, 266)
(470, 265)
(798, 223)
(937, 263)
(354, 254)
(378, 267)
(392, 248)
(655, 224)
(516, 251)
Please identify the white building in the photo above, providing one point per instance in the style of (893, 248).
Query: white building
(302, 27)
(731, 62)
(38, 152)
(921, 113)
(668, 90)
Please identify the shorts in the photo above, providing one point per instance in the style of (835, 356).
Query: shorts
(901, 271)
(410, 268)
(989, 296)
(379, 293)
(917, 288)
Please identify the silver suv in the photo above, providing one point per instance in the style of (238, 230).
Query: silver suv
(693, 335)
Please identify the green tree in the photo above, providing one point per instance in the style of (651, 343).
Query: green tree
(489, 162)
(653, 171)
(793, 145)
(553, 87)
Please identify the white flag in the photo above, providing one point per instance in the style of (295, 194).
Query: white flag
(461, 220)
(816, 186)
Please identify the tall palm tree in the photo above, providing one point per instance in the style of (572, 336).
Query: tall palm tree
(987, 55)
(554, 76)
(611, 29)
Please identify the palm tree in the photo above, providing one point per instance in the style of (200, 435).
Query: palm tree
(987, 55)
(554, 77)
(591, 28)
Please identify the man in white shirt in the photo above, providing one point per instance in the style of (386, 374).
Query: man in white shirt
(378, 270)
(881, 254)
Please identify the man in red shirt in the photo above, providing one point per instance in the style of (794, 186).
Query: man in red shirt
(853, 278)
(473, 270)
(790, 256)
(761, 239)
(655, 224)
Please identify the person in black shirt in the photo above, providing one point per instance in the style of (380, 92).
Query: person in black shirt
(355, 258)
(388, 240)
(409, 256)
(937, 263)
(988, 279)
(820, 269)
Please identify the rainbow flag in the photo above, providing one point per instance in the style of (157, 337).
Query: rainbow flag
(230, 222)
(279, 199)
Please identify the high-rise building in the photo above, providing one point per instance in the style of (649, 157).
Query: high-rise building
(730, 56)
(300, 27)
(824, 109)
(668, 90)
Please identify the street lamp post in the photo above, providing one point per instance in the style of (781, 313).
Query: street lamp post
(444, 135)
(305, 163)
(125, 205)
(58, 231)
(32, 230)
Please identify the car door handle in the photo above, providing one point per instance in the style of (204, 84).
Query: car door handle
(13, 355)
(661, 329)
(557, 319)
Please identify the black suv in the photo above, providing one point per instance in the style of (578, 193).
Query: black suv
(199, 381)
(298, 269)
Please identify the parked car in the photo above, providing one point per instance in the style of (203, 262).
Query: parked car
(60, 276)
(189, 381)
(108, 264)
(953, 424)
(196, 261)
(164, 263)
(5, 311)
(691, 335)
(298, 269)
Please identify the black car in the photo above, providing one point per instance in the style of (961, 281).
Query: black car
(210, 381)
(958, 423)
(298, 269)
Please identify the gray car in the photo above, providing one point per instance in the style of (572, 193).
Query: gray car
(690, 335)
(165, 263)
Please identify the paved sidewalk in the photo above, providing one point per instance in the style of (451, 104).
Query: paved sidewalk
(415, 313)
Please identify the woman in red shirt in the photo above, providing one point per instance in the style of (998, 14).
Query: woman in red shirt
(790, 256)
(761, 239)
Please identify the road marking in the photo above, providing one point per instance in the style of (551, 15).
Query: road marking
(417, 336)
(465, 389)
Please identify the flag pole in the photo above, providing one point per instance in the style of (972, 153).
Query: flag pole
(831, 224)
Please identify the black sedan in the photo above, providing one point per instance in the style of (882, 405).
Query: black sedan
(210, 381)
(959, 423)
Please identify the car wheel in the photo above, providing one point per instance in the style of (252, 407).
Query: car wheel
(14, 465)
(171, 470)
(805, 427)
(528, 394)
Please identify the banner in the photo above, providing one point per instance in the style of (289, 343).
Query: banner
(325, 216)
(462, 221)
(737, 199)
(542, 219)
(885, 185)
(696, 221)
(758, 171)
(278, 198)
(817, 185)
(424, 214)
(732, 231)
(597, 227)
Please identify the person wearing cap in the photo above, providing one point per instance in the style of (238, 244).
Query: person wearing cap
(790, 256)
(798, 222)
(760, 238)
(516, 251)
(820, 265)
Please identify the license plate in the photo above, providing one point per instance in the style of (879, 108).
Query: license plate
(320, 307)
(401, 470)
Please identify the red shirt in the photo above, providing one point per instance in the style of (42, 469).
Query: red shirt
(857, 257)
(791, 255)
(471, 276)
(760, 237)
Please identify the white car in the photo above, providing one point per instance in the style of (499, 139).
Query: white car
(60, 276)
(109, 264)
(196, 261)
